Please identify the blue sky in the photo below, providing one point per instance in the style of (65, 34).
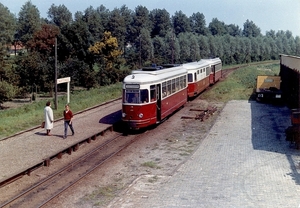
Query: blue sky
(266, 14)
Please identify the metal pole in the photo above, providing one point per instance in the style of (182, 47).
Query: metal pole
(56, 102)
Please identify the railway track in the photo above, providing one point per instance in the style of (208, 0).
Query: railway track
(51, 181)
(51, 187)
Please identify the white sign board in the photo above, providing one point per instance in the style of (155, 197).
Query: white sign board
(63, 80)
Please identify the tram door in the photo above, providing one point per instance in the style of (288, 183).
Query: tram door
(213, 70)
(158, 102)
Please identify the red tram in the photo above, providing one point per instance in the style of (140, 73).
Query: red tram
(215, 70)
(201, 74)
(153, 93)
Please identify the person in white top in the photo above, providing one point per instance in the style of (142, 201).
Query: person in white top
(48, 113)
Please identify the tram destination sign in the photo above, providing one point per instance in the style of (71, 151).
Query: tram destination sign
(132, 86)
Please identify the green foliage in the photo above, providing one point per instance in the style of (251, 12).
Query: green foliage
(250, 29)
(217, 27)
(60, 15)
(43, 40)
(29, 22)
(7, 91)
(7, 25)
(161, 22)
(107, 49)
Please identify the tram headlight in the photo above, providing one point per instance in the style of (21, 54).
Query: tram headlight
(141, 115)
(123, 115)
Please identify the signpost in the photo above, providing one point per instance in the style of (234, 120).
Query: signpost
(61, 80)
(64, 80)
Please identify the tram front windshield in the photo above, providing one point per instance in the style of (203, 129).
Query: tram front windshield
(136, 96)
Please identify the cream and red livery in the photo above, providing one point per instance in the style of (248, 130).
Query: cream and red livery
(153, 93)
(201, 74)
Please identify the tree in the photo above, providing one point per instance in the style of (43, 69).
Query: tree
(119, 19)
(271, 34)
(250, 29)
(172, 48)
(94, 22)
(194, 47)
(29, 22)
(107, 50)
(230, 47)
(79, 39)
(198, 24)
(217, 27)
(60, 15)
(234, 30)
(7, 91)
(140, 20)
(181, 23)
(7, 25)
(204, 46)
(44, 40)
(103, 12)
(161, 22)
(159, 50)
(33, 69)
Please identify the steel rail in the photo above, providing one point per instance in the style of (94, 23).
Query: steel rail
(88, 172)
(62, 170)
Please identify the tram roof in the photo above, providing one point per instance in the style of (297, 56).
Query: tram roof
(213, 60)
(196, 65)
(147, 77)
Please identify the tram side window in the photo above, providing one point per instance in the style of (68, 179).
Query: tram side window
(173, 86)
(177, 84)
(182, 82)
(164, 89)
(190, 77)
(152, 93)
(218, 67)
(169, 87)
(208, 71)
(144, 96)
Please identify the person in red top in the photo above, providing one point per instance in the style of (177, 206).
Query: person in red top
(68, 116)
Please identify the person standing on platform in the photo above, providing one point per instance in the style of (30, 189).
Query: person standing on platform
(68, 116)
(48, 112)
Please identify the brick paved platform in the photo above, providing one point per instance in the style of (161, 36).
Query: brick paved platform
(245, 161)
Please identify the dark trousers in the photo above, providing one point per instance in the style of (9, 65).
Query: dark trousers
(66, 124)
